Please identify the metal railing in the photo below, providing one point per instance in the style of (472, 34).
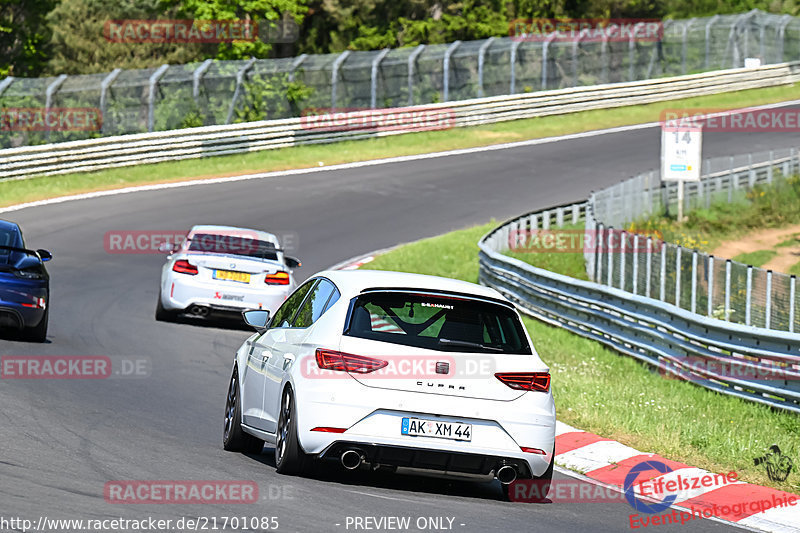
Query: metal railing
(686, 345)
(224, 92)
(128, 150)
(685, 277)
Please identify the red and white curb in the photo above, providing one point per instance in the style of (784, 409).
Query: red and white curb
(608, 462)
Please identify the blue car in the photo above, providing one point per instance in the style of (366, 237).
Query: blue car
(24, 285)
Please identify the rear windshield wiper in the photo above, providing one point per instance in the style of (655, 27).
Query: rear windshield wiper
(467, 344)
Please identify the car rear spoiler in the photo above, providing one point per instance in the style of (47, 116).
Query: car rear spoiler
(34, 253)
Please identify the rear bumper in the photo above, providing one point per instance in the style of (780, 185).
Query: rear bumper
(183, 292)
(445, 462)
(15, 307)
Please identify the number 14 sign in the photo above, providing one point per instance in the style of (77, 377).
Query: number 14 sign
(681, 153)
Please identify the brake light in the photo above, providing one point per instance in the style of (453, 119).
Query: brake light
(184, 267)
(330, 430)
(345, 362)
(532, 381)
(278, 278)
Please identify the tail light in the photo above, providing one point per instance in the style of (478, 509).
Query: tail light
(532, 381)
(278, 278)
(184, 267)
(345, 362)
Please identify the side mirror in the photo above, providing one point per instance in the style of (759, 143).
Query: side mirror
(292, 262)
(45, 255)
(256, 319)
(167, 247)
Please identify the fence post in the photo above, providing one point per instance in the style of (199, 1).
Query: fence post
(610, 273)
(733, 180)
(546, 219)
(239, 79)
(104, 86)
(598, 250)
(648, 267)
(446, 68)
(769, 168)
(576, 213)
(151, 95)
(49, 93)
(694, 281)
(604, 56)
(768, 301)
(197, 77)
(412, 60)
(514, 46)
(635, 273)
(710, 285)
(782, 36)
(545, 47)
(792, 299)
(559, 217)
(632, 52)
(685, 29)
(373, 78)
(751, 175)
(335, 78)
(623, 236)
(295, 65)
(679, 252)
(708, 40)
(575, 45)
(728, 290)
(663, 271)
(481, 60)
(749, 295)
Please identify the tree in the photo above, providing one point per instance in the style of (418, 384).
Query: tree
(23, 36)
(80, 47)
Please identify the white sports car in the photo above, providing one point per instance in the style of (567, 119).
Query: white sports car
(222, 269)
(401, 371)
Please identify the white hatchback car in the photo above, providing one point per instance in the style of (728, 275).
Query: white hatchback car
(402, 371)
(223, 269)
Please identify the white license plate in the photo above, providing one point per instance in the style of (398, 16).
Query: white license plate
(417, 427)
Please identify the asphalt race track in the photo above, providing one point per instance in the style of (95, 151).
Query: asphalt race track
(62, 440)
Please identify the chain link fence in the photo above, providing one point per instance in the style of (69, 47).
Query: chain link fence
(225, 92)
(692, 280)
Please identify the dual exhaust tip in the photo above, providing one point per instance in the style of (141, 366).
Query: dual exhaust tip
(198, 310)
(352, 459)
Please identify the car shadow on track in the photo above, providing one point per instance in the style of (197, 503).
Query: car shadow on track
(13, 335)
(333, 472)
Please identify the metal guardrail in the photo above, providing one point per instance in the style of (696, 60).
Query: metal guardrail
(678, 342)
(693, 280)
(120, 151)
(221, 92)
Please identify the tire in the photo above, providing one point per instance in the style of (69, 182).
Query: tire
(542, 485)
(37, 333)
(234, 439)
(289, 457)
(162, 315)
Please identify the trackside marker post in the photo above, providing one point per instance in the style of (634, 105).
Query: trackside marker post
(681, 154)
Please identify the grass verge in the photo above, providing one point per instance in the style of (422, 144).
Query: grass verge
(13, 192)
(601, 391)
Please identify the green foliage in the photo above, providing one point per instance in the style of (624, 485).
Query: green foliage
(757, 258)
(256, 11)
(270, 97)
(79, 46)
(23, 36)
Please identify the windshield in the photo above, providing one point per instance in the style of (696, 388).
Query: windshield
(233, 245)
(438, 322)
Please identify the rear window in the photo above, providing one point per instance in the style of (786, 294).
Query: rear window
(233, 245)
(437, 322)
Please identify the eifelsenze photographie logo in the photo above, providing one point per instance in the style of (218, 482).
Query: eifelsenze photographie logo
(398, 118)
(586, 30)
(50, 119)
(784, 119)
